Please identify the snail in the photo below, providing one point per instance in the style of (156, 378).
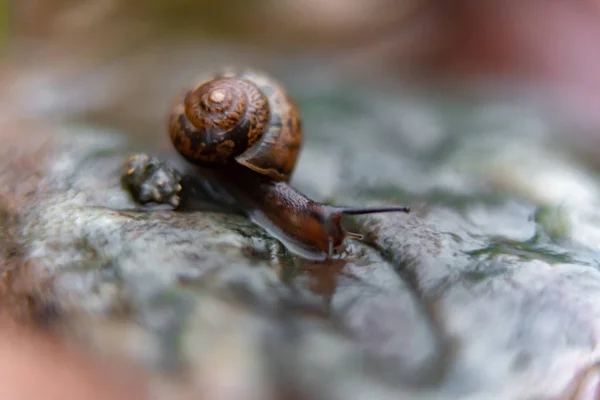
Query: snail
(245, 128)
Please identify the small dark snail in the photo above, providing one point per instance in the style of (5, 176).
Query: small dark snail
(245, 127)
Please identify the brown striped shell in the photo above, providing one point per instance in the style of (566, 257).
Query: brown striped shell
(243, 116)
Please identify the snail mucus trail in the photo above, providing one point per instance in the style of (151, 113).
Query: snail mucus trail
(243, 127)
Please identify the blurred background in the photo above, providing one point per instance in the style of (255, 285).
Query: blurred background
(120, 62)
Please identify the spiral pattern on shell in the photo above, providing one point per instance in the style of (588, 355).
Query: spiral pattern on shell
(241, 116)
(221, 118)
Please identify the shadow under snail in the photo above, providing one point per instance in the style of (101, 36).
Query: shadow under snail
(244, 130)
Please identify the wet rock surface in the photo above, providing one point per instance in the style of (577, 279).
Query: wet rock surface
(488, 289)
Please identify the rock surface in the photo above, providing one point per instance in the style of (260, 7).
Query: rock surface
(489, 289)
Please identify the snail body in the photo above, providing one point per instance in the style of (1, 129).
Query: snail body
(246, 129)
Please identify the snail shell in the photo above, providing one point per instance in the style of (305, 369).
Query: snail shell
(240, 116)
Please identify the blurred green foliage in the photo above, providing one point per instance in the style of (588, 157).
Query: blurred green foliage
(3, 22)
(226, 18)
